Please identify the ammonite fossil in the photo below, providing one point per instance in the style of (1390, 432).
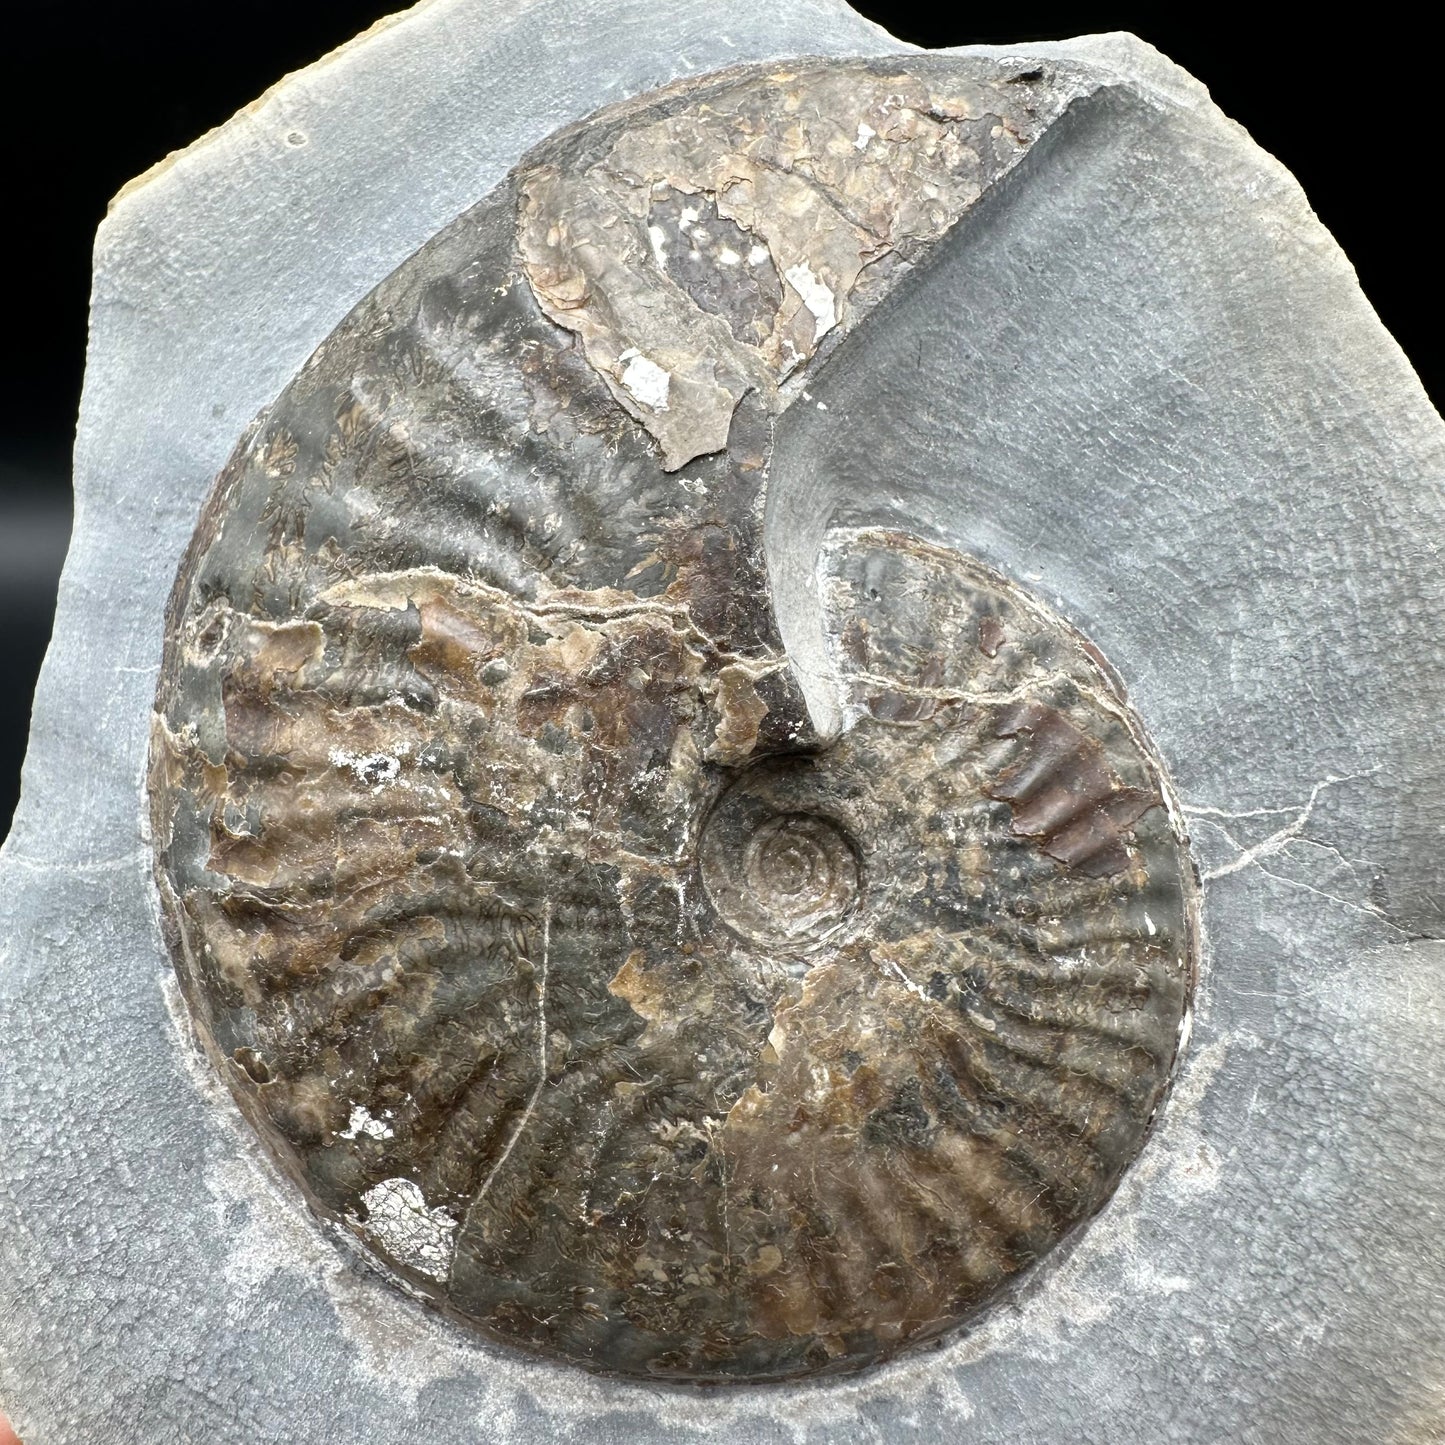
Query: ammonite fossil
(638, 990)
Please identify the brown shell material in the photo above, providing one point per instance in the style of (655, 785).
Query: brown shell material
(545, 940)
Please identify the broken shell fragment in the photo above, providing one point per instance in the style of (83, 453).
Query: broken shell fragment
(548, 933)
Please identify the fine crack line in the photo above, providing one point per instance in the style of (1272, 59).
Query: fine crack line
(1032, 687)
(1039, 682)
(542, 1058)
(552, 609)
(1280, 842)
(1277, 841)
(1193, 812)
(1369, 909)
(79, 870)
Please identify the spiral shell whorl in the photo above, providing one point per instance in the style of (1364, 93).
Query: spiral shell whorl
(539, 932)
(776, 873)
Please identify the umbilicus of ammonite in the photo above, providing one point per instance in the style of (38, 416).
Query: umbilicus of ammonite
(641, 989)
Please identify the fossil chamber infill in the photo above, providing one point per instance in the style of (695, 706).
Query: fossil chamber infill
(552, 939)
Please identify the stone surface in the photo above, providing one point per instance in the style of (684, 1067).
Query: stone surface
(1136, 377)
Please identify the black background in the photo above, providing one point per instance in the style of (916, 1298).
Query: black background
(93, 95)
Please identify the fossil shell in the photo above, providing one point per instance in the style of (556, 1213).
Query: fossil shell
(624, 1000)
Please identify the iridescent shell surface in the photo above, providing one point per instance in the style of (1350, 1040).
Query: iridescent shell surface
(625, 1001)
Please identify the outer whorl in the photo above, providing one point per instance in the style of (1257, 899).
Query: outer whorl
(549, 940)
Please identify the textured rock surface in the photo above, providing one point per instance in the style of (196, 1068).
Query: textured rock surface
(827, 180)
(1137, 377)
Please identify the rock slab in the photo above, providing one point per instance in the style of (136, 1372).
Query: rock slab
(1149, 387)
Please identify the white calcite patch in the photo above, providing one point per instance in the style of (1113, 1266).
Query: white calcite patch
(363, 1123)
(399, 1221)
(817, 297)
(646, 380)
(374, 770)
